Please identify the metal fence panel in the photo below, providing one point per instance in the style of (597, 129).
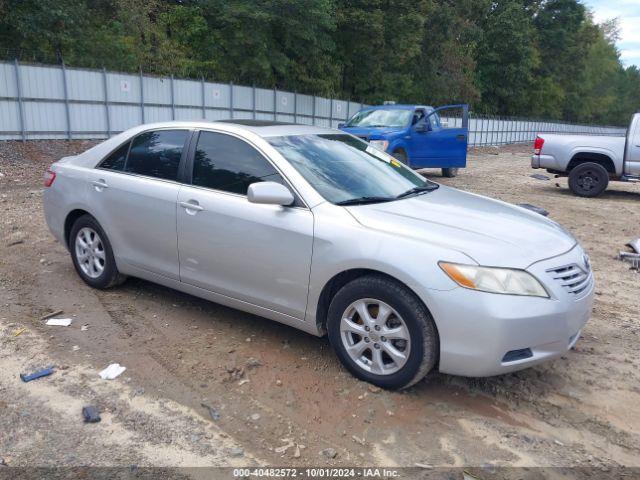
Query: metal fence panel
(52, 101)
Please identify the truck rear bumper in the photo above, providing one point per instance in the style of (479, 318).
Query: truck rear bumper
(546, 161)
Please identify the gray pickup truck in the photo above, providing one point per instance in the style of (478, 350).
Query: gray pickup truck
(590, 161)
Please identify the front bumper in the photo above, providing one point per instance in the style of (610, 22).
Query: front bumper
(478, 329)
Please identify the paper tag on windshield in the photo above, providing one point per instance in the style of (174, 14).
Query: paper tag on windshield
(377, 153)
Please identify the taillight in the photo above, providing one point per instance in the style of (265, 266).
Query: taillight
(537, 145)
(49, 177)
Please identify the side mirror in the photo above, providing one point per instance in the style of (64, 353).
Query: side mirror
(422, 127)
(269, 193)
(341, 125)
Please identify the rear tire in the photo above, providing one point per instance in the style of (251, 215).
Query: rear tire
(393, 343)
(92, 254)
(401, 156)
(588, 179)
(450, 172)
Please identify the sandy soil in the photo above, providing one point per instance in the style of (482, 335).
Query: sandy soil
(273, 386)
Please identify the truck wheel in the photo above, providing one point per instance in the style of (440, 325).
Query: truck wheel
(588, 179)
(449, 172)
(401, 157)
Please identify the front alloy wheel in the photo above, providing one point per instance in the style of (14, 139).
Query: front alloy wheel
(375, 336)
(382, 332)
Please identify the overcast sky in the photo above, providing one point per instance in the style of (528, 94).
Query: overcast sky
(628, 13)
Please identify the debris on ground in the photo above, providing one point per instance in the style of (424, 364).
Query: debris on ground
(234, 373)
(534, 208)
(37, 374)
(90, 414)
(59, 322)
(213, 412)
(329, 452)
(253, 363)
(359, 440)
(235, 452)
(84, 327)
(112, 371)
(288, 444)
(539, 176)
(20, 331)
(632, 257)
(15, 242)
(52, 314)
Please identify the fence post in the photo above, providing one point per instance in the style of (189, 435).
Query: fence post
(106, 101)
(173, 105)
(313, 112)
(331, 112)
(204, 108)
(275, 105)
(141, 96)
(20, 106)
(66, 100)
(231, 99)
(253, 99)
(295, 106)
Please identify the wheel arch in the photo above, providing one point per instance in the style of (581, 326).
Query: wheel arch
(595, 157)
(335, 283)
(70, 219)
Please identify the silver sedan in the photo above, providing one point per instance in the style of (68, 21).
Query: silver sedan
(317, 229)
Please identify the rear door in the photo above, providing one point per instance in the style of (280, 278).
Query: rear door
(440, 138)
(260, 254)
(133, 194)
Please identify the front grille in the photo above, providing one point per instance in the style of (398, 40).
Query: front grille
(574, 278)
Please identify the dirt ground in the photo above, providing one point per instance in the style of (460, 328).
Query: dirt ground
(270, 386)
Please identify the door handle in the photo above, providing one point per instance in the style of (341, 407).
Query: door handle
(461, 137)
(99, 185)
(191, 205)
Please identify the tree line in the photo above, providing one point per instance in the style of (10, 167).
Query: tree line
(534, 58)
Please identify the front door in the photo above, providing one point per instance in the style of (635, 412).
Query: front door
(632, 159)
(436, 144)
(259, 254)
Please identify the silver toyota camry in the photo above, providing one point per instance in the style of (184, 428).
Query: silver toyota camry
(317, 229)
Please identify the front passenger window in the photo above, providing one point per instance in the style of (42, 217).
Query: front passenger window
(226, 163)
(157, 154)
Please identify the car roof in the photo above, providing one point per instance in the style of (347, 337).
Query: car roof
(396, 106)
(262, 128)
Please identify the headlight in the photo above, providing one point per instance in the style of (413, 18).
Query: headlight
(379, 144)
(494, 280)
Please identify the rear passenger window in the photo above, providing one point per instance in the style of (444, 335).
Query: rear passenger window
(117, 159)
(157, 154)
(226, 163)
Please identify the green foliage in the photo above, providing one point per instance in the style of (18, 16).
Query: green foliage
(543, 58)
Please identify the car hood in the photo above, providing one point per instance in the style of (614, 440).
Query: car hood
(370, 131)
(491, 232)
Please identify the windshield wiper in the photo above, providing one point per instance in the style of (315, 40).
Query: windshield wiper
(364, 200)
(416, 190)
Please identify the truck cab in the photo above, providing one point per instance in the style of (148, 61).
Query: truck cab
(414, 134)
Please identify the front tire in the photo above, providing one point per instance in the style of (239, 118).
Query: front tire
(588, 179)
(92, 254)
(450, 172)
(401, 156)
(382, 333)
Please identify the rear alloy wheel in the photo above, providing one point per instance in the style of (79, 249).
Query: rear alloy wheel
(92, 254)
(450, 172)
(382, 332)
(588, 179)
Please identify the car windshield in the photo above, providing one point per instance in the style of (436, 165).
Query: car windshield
(384, 117)
(346, 170)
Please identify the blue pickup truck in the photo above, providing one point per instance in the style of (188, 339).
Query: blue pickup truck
(414, 134)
